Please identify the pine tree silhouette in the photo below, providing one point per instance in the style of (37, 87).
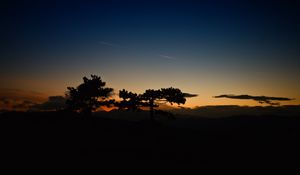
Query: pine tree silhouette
(89, 95)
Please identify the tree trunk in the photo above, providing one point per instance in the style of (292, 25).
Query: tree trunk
(152, 110)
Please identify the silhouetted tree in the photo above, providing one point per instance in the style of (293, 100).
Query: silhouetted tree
(150, 96)
(89, 95)
(130, 101)
(170, 95)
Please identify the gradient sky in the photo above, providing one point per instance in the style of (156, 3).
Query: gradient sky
(203, 47)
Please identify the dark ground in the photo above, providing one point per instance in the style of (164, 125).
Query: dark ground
(251, 140)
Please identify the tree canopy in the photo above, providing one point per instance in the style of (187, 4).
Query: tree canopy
(130, 101)
(170, 95)
(150, 98)
(89, 95)
(93, 93)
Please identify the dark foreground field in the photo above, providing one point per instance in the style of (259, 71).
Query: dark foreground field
(233, 140)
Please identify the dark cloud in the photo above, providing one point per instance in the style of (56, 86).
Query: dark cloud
(187, 95)
(53, 103)
(17, 99)
(26, 104)
(5, 100)
(260, 99)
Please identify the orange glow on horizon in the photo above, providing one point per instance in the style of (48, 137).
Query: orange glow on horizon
(205, 89)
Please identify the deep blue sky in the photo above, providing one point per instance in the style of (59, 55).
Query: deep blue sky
(204, 47)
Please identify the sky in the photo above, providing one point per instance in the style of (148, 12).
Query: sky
(207, 48)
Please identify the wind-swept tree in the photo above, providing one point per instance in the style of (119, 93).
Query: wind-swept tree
(130, 101)
(89, 95)
(150, 96)
(170, 95)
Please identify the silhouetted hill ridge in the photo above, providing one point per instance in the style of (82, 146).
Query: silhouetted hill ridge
(232, 110)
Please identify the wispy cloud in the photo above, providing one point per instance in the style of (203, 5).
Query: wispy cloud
(135, 50)
(167, 57)
(108, 44)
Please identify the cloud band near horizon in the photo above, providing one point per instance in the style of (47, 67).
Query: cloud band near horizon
(260, 99)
